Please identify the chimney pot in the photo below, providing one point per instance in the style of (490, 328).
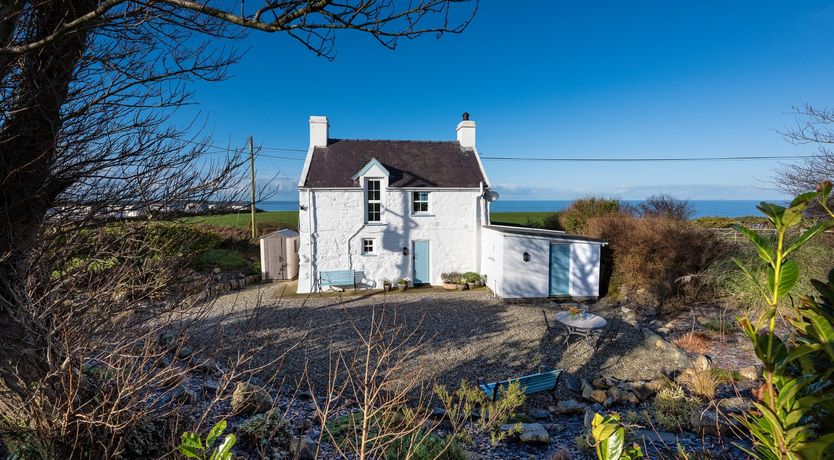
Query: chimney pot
(465, 116)
(466, 132)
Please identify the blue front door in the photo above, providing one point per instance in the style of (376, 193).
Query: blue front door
(420, 259)
(559, 269)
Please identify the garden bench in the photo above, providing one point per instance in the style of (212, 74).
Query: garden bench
(337, 279)
(544, 380)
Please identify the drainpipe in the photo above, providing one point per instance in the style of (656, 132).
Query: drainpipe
(310, 224)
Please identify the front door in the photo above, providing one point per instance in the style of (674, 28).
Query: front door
(420, 261)
(559, 269)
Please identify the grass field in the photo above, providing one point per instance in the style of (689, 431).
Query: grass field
(242, 219)
(291, 218)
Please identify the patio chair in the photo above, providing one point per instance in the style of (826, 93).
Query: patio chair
(544, 380)
(609, 334)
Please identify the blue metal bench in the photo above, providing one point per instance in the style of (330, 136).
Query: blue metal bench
(535, 383)
(343, 279)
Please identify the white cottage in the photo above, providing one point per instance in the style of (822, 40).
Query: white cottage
(389, 209)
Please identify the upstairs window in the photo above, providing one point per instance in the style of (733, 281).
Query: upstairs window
(374, 204)
(419, 202)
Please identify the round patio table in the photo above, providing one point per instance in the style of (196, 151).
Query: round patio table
(582, 324)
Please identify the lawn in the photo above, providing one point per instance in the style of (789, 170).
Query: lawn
(519, 218)
(241, 219)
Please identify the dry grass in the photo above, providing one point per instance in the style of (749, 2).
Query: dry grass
(702, 383)
(693, 342)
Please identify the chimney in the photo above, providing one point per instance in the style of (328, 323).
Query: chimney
(319, 130)
(466, 132)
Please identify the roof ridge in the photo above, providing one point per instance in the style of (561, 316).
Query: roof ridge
(415, 141)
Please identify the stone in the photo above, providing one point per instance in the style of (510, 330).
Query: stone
(735, 405)
(302, 448)
(702, 363)
(750, 372)
(531, 433)
(631, 398)
(539, 414)
(573, 383)
(587, 389)
(210, 387)
(599, 396)
(588, 418)
(600, 383)
(711, 422)
(184, 395)
(614, 393)
(664, 330)
(250, 399)
(185, 352)
(609, 402)
(658, 437)
(651, 339)
(569, 406)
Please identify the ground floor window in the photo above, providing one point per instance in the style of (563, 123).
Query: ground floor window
(368, 247)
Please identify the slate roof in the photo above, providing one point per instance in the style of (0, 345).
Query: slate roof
(410, 163)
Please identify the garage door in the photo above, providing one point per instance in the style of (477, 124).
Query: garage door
(559, 269)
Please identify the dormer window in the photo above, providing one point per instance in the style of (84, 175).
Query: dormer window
(373, 200)
(419, 202)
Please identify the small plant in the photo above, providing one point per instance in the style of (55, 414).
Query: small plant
(693, 342)
(192, 446)
(267, 429)
(727, 375)
(673, 408)
(471, 277)
(451, 277)
(463, 403)
(402, 281)
(609, 439)
(720, 326)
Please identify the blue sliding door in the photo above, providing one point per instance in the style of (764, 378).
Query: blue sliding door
(420, 259)
(559, 270)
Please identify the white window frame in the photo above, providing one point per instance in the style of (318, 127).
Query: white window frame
(369, 201)
(414, 201)
(365, 252)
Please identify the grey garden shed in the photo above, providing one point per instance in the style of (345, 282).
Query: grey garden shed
(279, 255)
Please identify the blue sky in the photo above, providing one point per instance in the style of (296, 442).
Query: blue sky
(556, 78)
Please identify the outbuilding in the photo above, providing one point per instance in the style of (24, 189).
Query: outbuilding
(522, 262)
(279, 255)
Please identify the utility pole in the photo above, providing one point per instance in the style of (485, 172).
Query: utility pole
(252, 185)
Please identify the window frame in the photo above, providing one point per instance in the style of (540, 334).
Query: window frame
(369, 202)
(364, 251)
(414, 201)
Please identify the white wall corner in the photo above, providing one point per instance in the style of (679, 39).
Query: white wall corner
(319, 131)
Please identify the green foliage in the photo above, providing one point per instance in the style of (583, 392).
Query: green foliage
(288, 219)
(225, 259)
(527, 219)
(192, 446)
(726, 375)
(267, 429)
(576, 216)
(673, 408)
(467, 399)
(793, 420)
(727, 222)
(609, 439)
(471, 277)
(717, 325)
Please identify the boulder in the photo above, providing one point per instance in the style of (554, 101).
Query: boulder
(750, 372)
(250, 399)
(599, 396)
(569, 406)
(531, 433)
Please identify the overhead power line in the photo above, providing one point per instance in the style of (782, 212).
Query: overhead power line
(649, 159)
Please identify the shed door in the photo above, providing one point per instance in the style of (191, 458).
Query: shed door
(420, 255)
(559, 269)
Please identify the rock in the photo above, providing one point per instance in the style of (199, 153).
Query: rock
(553, 427)
(631, 398)
(609, 402)
(588, 418)
(531, 433)
(709, 421)
(569, 406)
(573, 383)
(664, 330)
(599, 396)
(250, 399)
(750, 372)
(615, 394)
(659, 437)
(651, 339)
(735, 405)
(185, 352)
(702, 362)
(601, 383)
(539, 414)
(184, 395)
(302, 448)
(587, 389)
(210, 387)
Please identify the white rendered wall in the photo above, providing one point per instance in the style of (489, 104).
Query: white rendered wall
(336, 219)
(492, 259)
(526, 279)
(584, 270)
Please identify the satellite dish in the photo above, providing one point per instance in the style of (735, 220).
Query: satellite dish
(491, 196)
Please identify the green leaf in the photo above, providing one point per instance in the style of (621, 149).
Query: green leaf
(808, 234)
(804, 199)
(774, 213)
(215, 432)
(788, 277)
(762, 245)
(224, 450)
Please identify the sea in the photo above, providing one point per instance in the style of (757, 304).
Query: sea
(702, 208)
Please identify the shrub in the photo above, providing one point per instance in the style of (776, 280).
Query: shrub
(575, 217)
(225, 259)
(666, 206)
(471, 277)
(267, 429)
(451, 277)
(461, 405)
(702, 383)
(552, 222)
(693, 342)
(653, 255)
(726, 222)
(262, 228)
(673, 408)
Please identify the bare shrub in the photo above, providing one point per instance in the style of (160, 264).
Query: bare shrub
(693, 342)
(666, 206)
(648, 256)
